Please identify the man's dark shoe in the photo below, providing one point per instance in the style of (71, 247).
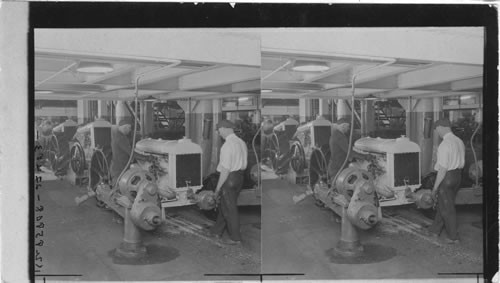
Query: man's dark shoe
(230, 242)
(209, 234)
(452, 242)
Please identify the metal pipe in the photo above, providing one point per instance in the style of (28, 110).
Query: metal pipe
(353, 83)
(277, 70)
(474, 153)
(135, 112)
(56, 74)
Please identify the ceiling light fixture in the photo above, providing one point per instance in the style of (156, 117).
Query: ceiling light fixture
(43, 91)
(310, 66)
(371, 97)
(266, 90)
(94, 67)
(465, 97)
(150, 99)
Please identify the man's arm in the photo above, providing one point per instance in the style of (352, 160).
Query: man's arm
(441, 172)
(224, 173)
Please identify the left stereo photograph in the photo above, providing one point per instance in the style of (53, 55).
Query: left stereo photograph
(146, 144)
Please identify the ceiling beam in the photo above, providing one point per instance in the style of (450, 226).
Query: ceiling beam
(217, 77)
(71, 87)
(246, 86)
(467, 84)
(437, 75)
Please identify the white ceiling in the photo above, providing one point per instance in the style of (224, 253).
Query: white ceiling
(387, 62)
(169, 64)
(207, 63)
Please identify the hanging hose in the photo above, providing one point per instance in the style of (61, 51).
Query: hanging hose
(136, 92)
(256, 156)
(353, 81)
(474, 153)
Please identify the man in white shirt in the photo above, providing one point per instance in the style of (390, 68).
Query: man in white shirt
(232, 163)
(449, 164)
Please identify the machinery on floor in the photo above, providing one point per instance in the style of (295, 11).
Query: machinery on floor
(91, 154)
(354, 198)
(310, 150)
(176, 168)
(64, 134)
(135, 197)
(46, 144)
(395, 167)
(277, 142)
(166, 175)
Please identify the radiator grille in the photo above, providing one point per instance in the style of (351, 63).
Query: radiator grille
(188, 167)
(102, 137)
(322, 135)
(406, 166)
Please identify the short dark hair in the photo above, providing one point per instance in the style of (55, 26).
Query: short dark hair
(342, 121)
(225, 124)
(443, 122)
(125, 121)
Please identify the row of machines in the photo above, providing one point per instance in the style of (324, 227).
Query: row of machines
(394, 164)
(164, 174)
(390, 176)
(174, 165)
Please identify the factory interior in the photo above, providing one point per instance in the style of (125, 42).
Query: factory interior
(284, 91)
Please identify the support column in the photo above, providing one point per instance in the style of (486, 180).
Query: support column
(323, 108)
(121, 111)
(148, 118)
(367, 117)
(425, 111)
(216, 139)
(304, 110)
(438, 113)
(102, 110)
(343, 110)
(82, 111)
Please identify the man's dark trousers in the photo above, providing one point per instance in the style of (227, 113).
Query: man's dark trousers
(446, 215)
(228, 216)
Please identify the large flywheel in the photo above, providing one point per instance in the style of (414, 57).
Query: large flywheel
(77, 162)
(52, 151)
(272, 149)
(318, 166)
(298, 159)
(99, 169)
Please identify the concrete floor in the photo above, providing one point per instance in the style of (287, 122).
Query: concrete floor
(79, 238)
(296, 238)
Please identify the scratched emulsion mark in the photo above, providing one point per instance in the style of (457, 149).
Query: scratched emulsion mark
(372, 253)
(154, 254)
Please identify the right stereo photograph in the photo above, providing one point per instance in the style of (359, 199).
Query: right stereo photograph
(371, 153)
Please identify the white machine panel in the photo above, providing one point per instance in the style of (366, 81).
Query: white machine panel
(178, 164)
(396, 166)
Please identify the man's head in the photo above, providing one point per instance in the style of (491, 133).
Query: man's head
(225, 128)
(343, 125)
(125, 126)
(442, 126)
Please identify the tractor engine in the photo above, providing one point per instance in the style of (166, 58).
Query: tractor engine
(175, 166)
(395, 166)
